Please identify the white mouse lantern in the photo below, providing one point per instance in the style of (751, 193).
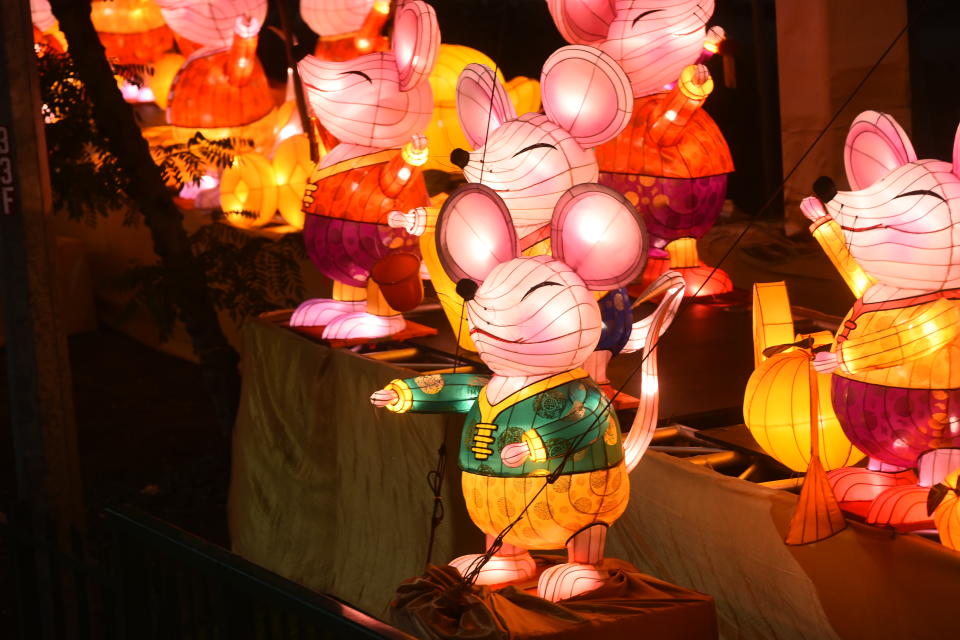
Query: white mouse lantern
(378, 106)
(671, 161)
(535, 320)
(895, 237)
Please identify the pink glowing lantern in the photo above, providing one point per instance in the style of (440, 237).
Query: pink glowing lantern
(896, 358)
(535, 321)
(532, 159)
(377, 105)
(221, 90)
(347, 28)
(671, 161)
(45, 29)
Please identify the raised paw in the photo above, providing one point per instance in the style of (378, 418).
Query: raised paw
(567, 580)
(319, 312)
(360, 325)
(499, 569)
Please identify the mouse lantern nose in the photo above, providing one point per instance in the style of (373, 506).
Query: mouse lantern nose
(467, 289)
(825, 189)
(460, 157)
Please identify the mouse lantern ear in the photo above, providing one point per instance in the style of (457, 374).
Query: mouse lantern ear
(474, 233)
(597, 233)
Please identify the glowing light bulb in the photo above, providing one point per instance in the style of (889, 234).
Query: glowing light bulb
(670, 115)
(363, 44)
(404, 174)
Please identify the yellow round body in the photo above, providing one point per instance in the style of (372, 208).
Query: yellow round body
(164, 71)
(292, 167)
(947, 514)
(261, 132)
(444, 133)
(572, 503)
(248, 186)
(776, 409)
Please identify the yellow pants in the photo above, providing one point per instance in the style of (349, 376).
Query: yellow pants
(570, 504)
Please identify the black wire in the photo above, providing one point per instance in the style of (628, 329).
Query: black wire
(481, 560)
(435, 477)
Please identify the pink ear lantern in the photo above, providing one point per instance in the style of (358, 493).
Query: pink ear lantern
(377, 105)
(671, 161)
(896, 358)
(535, 320)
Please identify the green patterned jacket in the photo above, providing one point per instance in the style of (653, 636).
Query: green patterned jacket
(550, 415)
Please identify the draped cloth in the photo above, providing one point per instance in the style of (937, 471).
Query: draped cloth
(332, 493)
(628, 606)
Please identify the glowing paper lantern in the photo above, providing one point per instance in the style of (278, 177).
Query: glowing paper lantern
(377, 105)
(248, 186)
(347, 28)
(531, 160)
(164, 71)
(537, 316)
(131, 31)
(776, 404)
(444, 131)
(776, 409)
(896, 359)
(671, 160)
(292, 168)
(221, 90)
(947, 513)
(45, 29)
(210, 23)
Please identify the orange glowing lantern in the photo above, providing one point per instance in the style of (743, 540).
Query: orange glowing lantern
(131, 31)
(292, 168)
(46, 32)
(164, 71)
(347, 28)
(248, 192)
(222, 90)
(946, 504)
(776, 405)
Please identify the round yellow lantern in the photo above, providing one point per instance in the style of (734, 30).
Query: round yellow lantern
(444, 131)
(164, 71)
(292, 167)
(776, 409)
(248, 192)
(947, 513)
(776, 405)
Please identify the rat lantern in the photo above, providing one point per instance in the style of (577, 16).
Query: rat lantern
(377, 105)
(221, 90)
(531, 160)
(671, 161)
(896, 359)
(541, 444)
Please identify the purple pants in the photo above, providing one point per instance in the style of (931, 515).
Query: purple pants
(896, 425)
(672, 208)
(346, 251)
